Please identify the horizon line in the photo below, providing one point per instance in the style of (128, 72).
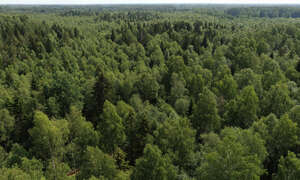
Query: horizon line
(182, 3)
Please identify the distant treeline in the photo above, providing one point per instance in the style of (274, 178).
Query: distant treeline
(269, 12)
(143, 12)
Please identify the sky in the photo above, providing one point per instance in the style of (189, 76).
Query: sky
(148, 1)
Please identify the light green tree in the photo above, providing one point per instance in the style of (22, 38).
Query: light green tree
(153, 166)
(205, 116)
(236, 154)
(288, 167)
(33, 167)
(176, 138)
(277, 100)
(111, 127)
(98, 164)
(48, 137)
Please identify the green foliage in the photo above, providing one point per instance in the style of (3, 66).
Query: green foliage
(65, 90)
(280, 135)
(242, 111)
(7, 125)
(284, 135)
(98, 164)
(227, 87)
(205, 116)
(238, 154)
(84, 89)
(288, 167)
(148, 87)
(111, 128)
(57, 170)
(48, 137)
(3, 156)
(153, 165)
(176, 138)
(82, 132)
(101, 92)
(13, 174)
(15, 155)
(263, 48)
(32, 167)
(294, 114)
(277, 100)
(247, 77)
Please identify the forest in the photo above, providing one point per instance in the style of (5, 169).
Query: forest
(156, 92)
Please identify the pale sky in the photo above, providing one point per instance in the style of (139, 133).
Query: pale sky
(147, 1)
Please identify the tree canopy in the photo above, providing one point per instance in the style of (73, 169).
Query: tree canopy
(162, 92)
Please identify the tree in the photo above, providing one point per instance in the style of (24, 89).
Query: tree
(148, 87)
(15, 155)
(280, 135)
(226, 87)
(247, 77)
(33, 167)
(3, 156)
(242, 111)
(22, 106)
(153, 165)
(82, 132)
(294, 114)
(195, 85)
(98, 164)
(156, 57)
(111, 128)
(57, 170)
(293, 75)
(130, 122)
(13, 174)
(65, 88)
(242, 54)
(271, 78)
(175, 64)
(284, 135)
(205, 116)
(263, 47)
(128, 37)
(238, 154)
(272, 74)
(176, 138)
(182, 106)
(7, 123)
(178, 89)
(5, 96)
(288, 167)
(48, 137)
(277, 100)
(102, 91)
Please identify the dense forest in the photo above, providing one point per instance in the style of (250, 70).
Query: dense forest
(164, 92)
